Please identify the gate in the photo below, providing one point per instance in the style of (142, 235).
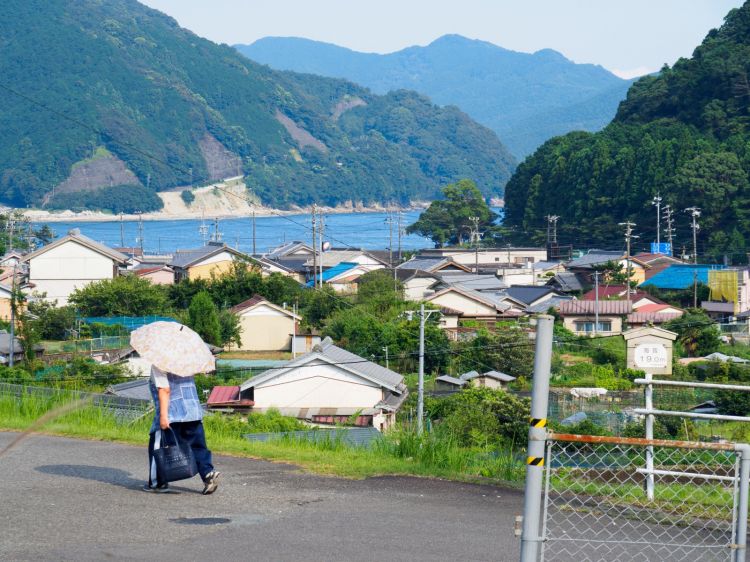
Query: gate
(596, 507)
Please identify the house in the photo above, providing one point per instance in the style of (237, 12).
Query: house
(730, 286)
(293, 268)
(471, 281)
(333, 257)
(681, 276)
(656, 262)
(475, 305)
(70, 263)
(137, 389)
(11, 259)
(433, 265)
(17, 348)
(531, 295)
(490, 379)
(290, 249)
(227, 398)
(568, 282)
(417, 284)
(329, 385)
(158, 275)
(215, 258)
(342, 277)
(265, 326)
(580, 316)
(304, 343)
(641, 318)
(588, 263)
(447, 383)
(619, 292)
(519, 256)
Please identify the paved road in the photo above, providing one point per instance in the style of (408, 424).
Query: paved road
(66, 499)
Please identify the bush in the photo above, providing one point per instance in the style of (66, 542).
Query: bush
(187, 196)
(118, 199)
(272, 421)
(125, 295)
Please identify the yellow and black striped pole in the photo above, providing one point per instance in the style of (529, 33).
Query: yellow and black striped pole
(532, 501)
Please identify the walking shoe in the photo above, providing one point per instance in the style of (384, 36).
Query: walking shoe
(211, 482)
(162, 489)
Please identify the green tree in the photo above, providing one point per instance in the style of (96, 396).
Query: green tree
(204, 318)
(448, 220)
(507, 350)
(52, 322)
(229, 324)
(125, 295)
(696, 332)
(187, 196)
(377, 291)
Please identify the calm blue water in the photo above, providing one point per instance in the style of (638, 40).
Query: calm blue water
(358, 230)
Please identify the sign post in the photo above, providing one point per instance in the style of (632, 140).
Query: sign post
(650, 351)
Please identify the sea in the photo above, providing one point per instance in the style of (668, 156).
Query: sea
(371, 231)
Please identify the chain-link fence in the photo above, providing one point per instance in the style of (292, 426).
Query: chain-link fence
(596, 508)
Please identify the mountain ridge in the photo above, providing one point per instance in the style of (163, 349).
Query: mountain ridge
(498, 87)
(89, 77)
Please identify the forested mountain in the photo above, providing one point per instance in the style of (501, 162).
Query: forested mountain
(112, 101)
(525, 98)
(684, 134)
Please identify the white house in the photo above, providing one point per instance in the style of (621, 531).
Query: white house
(328, 386)
(69, 263)
(265, 326)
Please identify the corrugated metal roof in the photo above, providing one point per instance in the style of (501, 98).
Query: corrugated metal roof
(574, 307)
(335, 271)
(681, 276)
(451, 380)
(422, 264)
(544, 306)
(568, 281)
(287, 249)
(138, 388)
(223, 395)
(594, 258)
(715, 306)
(652, 317)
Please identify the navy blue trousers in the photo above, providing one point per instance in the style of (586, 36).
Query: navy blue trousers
(187, 432)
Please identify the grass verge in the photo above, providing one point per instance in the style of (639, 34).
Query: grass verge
(399, 453)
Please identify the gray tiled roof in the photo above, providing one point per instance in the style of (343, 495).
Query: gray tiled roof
(286, 249)
(568, 281)
(186, 258)
(470, 375)
(138, 388)
(544, 306)
(336, 355)
(422, 264)
(497, 375)
(451, 380)
(526, 294)
(473, 281)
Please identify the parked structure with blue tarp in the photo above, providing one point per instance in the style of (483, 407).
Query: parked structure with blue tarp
(681, 276)
(335, 271)
(130, 323)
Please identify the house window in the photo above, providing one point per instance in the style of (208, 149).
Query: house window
(588, 327)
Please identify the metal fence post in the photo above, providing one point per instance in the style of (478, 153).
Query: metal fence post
(530, 535)
(740, 552)
(649, 404)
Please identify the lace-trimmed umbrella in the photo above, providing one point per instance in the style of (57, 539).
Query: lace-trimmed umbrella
(173, 348)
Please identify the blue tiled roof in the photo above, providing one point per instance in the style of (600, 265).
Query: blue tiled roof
(681, 276)
(336, 270)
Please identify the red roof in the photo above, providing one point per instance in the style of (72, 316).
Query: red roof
(652, 317)
(252, 301)
(612, 308)
(147, 270)
(224, 395)
(656, 308)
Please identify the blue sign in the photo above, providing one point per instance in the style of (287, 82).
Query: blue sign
(662, 248)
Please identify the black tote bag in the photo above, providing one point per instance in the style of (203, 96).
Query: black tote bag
(174, 461)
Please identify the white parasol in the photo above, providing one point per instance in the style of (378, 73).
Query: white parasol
(173, 348)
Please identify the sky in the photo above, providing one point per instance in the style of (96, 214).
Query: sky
(628, 37)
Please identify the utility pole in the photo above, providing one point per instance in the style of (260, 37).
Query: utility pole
(695, 212)
(399, 232)
(596, 302)
(11, 227)
(314, 244)
(423, 316)
(321, 231)
(552, 229)
(475, 241)
(656, 201)
(12, 343)
(670, 226)
(140, 229)
(122, 232)
(531, 538)
(628, 236)
(253, 231)
(387, 366)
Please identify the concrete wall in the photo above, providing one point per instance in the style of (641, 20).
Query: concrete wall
(160, 277)
(61, 270)
(318, 385)
(4, 309)
(414, 289)
(265, 329)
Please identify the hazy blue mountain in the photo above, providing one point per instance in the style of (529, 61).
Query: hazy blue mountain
(525, 98)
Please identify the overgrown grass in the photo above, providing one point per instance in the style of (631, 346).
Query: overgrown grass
(398, 453)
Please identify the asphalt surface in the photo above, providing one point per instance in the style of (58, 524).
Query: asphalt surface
(67, 499)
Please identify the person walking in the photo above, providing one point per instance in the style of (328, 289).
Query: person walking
(177, 407)
(176, 354)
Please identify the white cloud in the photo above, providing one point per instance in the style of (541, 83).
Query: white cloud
(633, 72)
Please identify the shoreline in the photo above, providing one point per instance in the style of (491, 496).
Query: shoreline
(42, 216)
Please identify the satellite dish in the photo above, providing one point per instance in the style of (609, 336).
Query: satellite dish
(326, 246)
